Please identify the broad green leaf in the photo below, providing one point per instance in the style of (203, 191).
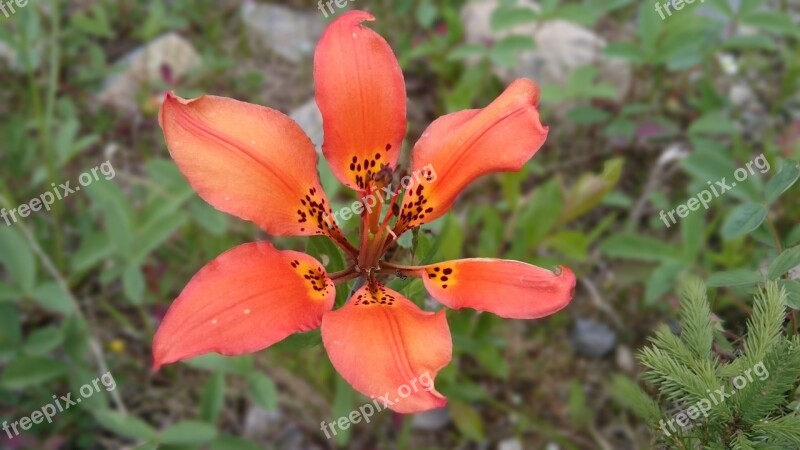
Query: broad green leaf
(28, 371)
(505, 52)
(232, 443)
(426, 14)
(263, 391)
(662, 280)
(742, 220)
(713, 124)
(792, 288)
(693, 229)
(504, 18)
(125, 425)
(772, 21)
(211, 220)
(188, 432)
(52, 297)
(95, 247)
(466, 51)
(785, 262)
(343, 403)
(467, 420)
(642, 248)
(43, 341)
(133, 284)
(241, 365)
(212, 397)
(739, 277)
(590, 189)
(782, 181)
(10, 330)
(17, 258)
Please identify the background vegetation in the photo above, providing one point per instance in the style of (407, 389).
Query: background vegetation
(643, 113)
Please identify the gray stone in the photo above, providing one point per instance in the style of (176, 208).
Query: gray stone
(272, 28)
(432, 420)
(561, 47)
(144, 66)
(593, 339)
(309, 118)
(510, 444)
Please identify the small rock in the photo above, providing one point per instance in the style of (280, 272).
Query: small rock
(291, 34)
(625, 360)
(309, 118)
(432, 420)
(259, 423)
(561, 47)
(510, 444)
(593, 339)
(8, 57)
(147, 65)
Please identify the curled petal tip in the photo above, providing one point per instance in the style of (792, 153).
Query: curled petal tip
(355, 17)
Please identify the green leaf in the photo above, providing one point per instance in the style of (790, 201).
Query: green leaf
(590, 189)
(43, 341)
(241, 365)
(52, 297)
(343, 404)
(505, 52)
(124, 425)
(587, 115)
(792, 288)
(426, 14)
(625, 50)
(213, 397)
(781, 182)
(504, 18)
(133, 284)
(232, 443)
(10, 330)
(208, 218)
(189, 432)
(466, 51)
(742, 220)
(662, 280)
(713, 124)
(467, 420)
(263, 391)
(27, 371)
(785, 262)
(17, 258)
(772, 21)
(739, 277)
(642, 248)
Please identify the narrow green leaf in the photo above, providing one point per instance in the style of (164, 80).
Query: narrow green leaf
(785, 262)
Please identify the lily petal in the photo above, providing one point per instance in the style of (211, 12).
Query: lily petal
(385, 346)
(362, 97)
(245, 300)
(510, 289)
(460, 147)
(250, 161)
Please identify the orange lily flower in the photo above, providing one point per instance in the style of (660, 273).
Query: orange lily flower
(257, 164)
